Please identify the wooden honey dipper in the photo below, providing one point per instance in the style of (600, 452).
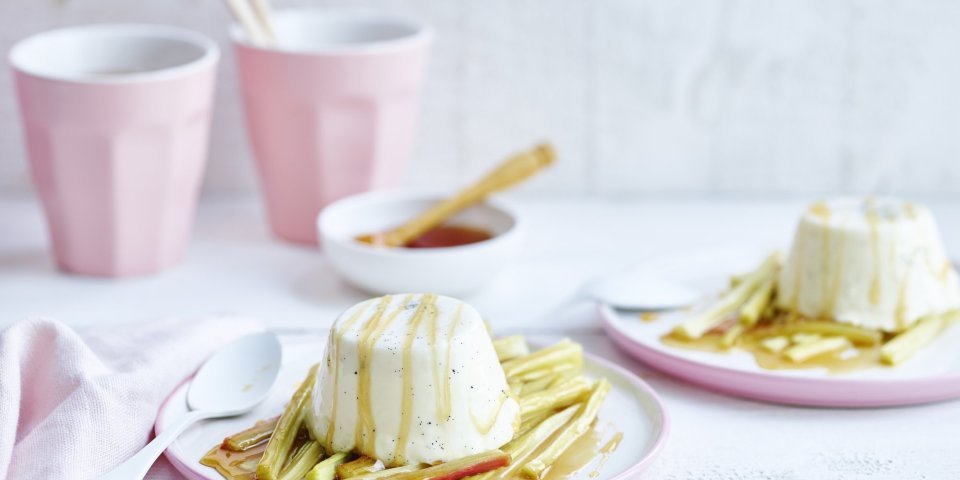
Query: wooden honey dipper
(512, 171)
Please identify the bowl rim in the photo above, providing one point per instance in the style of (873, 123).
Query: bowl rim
(493, 202)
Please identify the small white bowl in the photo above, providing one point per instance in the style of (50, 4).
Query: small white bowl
(448, 270)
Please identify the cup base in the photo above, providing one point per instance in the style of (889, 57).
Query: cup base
(108, 271)
(295, 235)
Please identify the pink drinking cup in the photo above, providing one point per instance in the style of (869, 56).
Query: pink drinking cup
(331, 108)
(116, 119)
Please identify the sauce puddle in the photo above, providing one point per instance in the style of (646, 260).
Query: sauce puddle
(834, 362)
(575, 458)
(582, 453)
(649, 317)
(243, 465)
(605, 451)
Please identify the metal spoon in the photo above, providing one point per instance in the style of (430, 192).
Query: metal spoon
(233, 381)
(640, 291)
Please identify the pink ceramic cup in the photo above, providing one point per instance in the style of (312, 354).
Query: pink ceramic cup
(331, 108)
(116, 119)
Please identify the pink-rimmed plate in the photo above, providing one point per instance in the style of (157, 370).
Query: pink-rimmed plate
(632, 408)
(930, 376)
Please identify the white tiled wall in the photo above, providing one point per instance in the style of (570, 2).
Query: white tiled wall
(640, 96)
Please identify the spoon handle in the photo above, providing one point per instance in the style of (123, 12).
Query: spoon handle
(136, 467)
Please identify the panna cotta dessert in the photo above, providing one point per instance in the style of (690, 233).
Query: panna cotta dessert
(867, 282)
(874, 263)
(412, 387)
(412, 379)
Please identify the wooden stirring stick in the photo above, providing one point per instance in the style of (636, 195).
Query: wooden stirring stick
(509, 173)
(245, 16)
(261, 8)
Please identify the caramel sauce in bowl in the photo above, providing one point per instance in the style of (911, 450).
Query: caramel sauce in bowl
(450, 236)
(456, 258)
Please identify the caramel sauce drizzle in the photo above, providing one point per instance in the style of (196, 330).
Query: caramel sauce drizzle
(366, 429)
(333, 351)
(484, 427)
(945, 271)
(821, 210)
(910, 209)
(427, 307)
(873, 221)
(942, 271)
(443, 401)
(800, 250)
(900, 312)
(830, 302)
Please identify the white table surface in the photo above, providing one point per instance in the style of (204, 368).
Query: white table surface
(234, 266)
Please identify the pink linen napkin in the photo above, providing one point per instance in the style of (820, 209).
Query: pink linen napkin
(75, 404)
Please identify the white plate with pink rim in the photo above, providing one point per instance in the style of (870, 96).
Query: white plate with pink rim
(631, 408)
(931, 375)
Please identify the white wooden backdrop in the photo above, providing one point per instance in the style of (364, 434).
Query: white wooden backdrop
(668, 97)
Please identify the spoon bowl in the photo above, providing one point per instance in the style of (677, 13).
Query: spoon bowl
(238, 377)
(641, 291)
(231, 382)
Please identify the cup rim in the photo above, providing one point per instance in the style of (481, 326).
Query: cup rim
(421, 33)
(210, 55)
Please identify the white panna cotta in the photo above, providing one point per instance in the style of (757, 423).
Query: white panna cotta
(875, 263)
(412, 379)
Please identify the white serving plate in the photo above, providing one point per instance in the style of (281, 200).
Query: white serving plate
(932, 375)
(632, 408)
